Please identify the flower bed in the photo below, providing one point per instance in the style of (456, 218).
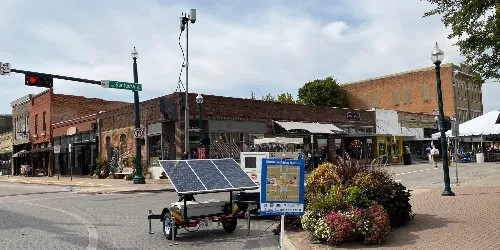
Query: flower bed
(350, 202)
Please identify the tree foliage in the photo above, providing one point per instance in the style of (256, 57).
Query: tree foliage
(268, 98)
(323, 92)
(285, 98)
(476, 25)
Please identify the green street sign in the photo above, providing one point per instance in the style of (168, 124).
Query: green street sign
(121, 85)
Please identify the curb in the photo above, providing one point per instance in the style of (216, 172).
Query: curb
(289, 244)
(126, 191)
(65, 184)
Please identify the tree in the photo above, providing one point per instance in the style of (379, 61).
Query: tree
(325, 92)
(285, 98)
(268, 98)
(476, 25)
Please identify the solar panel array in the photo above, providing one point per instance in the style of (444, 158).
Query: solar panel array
(205, 176)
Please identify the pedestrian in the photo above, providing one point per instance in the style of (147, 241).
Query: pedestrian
(435, 155)
(428, 152)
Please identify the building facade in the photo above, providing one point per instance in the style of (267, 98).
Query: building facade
(47, 109)
(230, 123)
(20, 132)
(6, 153)
(415, 92)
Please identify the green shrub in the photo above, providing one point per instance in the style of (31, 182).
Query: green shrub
(323, 204)
(355, 197)
(394, 197)
(365, 181)
(130, 177)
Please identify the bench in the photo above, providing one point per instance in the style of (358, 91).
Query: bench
(126, 171)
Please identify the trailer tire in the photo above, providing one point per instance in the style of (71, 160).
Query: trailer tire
(230, 226)
(169, 227)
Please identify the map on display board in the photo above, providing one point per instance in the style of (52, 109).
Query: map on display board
(283, 192)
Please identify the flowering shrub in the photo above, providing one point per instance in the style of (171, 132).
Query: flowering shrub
(321, 179)
(342, 225)
(365, 181)
(376, 227)
(316, 224)
(324, 203)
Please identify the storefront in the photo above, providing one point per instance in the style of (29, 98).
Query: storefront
(390, 148)
(82, 155)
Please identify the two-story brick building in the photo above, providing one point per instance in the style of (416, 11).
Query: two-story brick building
(415, 91)
(47, 111)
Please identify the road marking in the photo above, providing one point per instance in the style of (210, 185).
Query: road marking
(91, 229)
(421, 170)
(408, 172)
(428, 169)
(415, 171)
(402, 173)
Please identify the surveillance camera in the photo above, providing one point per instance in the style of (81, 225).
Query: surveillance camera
(192, 15)
(182, 25)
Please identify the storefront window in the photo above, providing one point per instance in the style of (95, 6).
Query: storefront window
(154, 145)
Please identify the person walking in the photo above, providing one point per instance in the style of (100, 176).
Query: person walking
(435, 155)
(428, 152)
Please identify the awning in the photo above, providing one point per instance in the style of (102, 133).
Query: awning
(21, 153)
(311, 127)
(279, 140)
(5, 151)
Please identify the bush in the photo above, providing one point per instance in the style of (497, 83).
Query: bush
(395, 199)
(355, 197)
(102, 164)
(131, 176)
(324, 203)
(377, 227)
(316, 224)
(321, 179)
(292, 223)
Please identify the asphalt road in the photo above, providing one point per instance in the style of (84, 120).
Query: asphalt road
(48, 217)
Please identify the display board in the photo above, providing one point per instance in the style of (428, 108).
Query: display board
(282, 187)
(206, 176)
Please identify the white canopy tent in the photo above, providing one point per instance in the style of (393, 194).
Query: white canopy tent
(487, 124)
(279, 140)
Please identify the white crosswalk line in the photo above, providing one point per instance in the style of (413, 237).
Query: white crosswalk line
(402, 173)
(415, 171)
(408, 172)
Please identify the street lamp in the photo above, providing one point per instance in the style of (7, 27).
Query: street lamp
(437, 57)
(138, 178)
(199, 100)
(184, 24)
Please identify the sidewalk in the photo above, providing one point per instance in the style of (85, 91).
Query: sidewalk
(468, 220)
(88, 186)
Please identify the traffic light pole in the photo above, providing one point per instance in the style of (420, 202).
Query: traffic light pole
(74, 79)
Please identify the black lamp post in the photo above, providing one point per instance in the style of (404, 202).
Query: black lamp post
(138, 178)
(437, 57)
(199, 100)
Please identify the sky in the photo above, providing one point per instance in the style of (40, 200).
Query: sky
(235, 47)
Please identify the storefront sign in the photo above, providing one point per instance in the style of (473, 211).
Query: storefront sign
(353, 117)
(57, 149)
(71, 131)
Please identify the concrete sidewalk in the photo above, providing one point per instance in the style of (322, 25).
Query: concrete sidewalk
(468, 220)
(88, 185)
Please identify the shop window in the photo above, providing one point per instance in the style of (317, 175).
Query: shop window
(381, 148)
(154, 147)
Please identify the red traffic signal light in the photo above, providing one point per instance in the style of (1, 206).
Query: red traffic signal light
(38, 80)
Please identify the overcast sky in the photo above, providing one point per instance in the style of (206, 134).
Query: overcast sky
(235, 47)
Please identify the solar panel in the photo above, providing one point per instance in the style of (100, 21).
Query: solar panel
(236, 178)
(205, 176)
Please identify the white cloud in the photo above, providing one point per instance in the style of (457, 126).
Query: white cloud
(234, 49)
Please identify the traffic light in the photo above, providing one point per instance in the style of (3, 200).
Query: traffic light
(38, 80)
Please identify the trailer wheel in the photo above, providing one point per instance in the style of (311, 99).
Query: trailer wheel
(229, 226)
(169, 227)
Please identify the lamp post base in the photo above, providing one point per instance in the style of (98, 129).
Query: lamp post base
(448, 193)
(139, 179)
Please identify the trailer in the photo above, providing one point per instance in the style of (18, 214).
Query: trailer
(192, 177)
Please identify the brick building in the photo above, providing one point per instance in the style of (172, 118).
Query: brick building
(20, 132)
(230, 123)
(47, 108)
(415, 91)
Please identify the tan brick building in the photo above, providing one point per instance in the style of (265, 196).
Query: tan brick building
(415, 91)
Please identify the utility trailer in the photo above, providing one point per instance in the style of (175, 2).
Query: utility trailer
(191, 177)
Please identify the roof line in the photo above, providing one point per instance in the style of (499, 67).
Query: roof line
(396, 74)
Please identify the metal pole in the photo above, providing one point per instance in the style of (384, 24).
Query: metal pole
(138, 178)
(282, 233)
(447, 189)
(200, 125)
(456, 158)
(70, 163)
(186, 109)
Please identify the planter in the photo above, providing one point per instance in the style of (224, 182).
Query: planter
(111, 176)
(147, 176)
